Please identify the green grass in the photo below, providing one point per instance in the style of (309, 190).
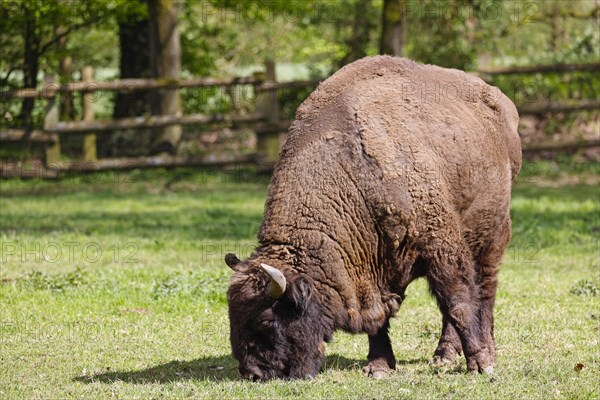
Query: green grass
(116, 289)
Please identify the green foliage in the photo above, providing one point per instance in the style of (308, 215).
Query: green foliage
(438, 33)
(34, 37)
(232, 32)
(201, 43)
(290, 100)
(536, 88)
(44, 18)
(103, 55)
(207, 100)
(545, 32)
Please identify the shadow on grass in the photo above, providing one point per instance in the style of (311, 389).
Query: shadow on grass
(341, 363)
(216, 369)
(221, 368)
(212, 222)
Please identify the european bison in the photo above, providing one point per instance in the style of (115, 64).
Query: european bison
(392, 171)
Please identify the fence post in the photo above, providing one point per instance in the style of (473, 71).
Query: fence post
(89, 139)
(51, 120)
(267, 138)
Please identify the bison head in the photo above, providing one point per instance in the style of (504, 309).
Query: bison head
(276, 326)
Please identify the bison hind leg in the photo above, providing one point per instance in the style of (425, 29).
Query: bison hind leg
(449, 346)
(452, 279)
(381, 360)
(488, 266)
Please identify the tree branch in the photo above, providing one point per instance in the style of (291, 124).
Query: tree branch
(57, 37)
(4, 80)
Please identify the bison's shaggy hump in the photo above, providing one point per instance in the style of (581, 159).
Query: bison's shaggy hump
(391, 171)
(428, 94)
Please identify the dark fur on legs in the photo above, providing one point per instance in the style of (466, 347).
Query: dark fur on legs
(449, 346)
(381, 358)
(452, 280)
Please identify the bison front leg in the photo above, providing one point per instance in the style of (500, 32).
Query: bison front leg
(381, 358)
(451, 275)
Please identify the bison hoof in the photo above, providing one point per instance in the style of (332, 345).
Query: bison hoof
(377, 369)
(487, 370)
(481, 362)
(444, 356)
(443, 362)
(377, 374)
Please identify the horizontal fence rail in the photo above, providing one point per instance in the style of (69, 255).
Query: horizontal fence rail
(36, 136)
(153, 162)
(562, 147)
(540, 69)
(132, 85)
(126, 85)
(555, 107)
(264, 120)
(155, 121)
(54, 170)
(50, 90)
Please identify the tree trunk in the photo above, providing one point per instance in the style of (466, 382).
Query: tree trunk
(359, 40)
(134, 62)
(65, 73)
(556, 25)
(165, 52)
(31, 65)
(393, 27)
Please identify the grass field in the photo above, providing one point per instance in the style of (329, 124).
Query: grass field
(113, 286)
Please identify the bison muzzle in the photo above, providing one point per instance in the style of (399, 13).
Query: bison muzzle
(391, 171)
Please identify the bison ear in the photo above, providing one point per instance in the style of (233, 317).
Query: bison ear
(232, 261)
(300, 294)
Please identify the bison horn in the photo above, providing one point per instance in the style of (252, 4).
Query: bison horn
(276, 286)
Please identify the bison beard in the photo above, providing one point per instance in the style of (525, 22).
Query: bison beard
(387, 176)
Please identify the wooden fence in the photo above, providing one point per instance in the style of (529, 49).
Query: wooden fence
(264, 120)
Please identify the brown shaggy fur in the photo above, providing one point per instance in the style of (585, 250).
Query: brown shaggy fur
(392, 170)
